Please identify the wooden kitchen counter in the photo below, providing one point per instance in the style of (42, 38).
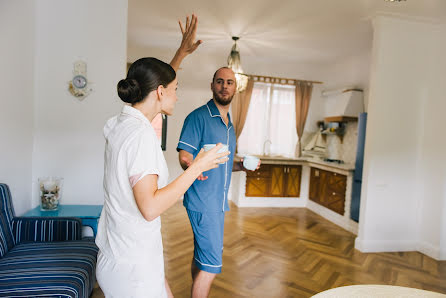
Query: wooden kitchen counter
(279, 160)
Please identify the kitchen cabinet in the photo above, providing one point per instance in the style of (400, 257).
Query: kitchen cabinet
(274, 181)
(328, 189)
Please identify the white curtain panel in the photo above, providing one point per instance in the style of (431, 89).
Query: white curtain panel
(282, 129)
(271, 116)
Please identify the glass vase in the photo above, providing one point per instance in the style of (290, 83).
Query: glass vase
(50, 193)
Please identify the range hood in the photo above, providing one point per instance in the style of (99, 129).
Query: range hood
(344, 104)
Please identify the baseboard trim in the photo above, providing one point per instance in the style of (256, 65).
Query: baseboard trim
(384, 245)
(341, 220)
(430, 250)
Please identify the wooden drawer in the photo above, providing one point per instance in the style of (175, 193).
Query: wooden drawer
(263, 171)
(335, 201)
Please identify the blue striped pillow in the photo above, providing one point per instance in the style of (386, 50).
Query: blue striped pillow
(6, 216)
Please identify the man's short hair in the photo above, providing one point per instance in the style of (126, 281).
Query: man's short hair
(215, 73)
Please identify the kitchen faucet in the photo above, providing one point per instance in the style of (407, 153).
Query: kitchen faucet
(264, 143)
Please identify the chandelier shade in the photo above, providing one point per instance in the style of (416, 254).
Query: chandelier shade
(236, 66)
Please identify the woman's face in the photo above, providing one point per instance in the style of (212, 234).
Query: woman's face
(170, 98)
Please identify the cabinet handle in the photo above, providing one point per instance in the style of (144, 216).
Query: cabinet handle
(335, 174)
(334, 193)
(284, 169)
(257, 178)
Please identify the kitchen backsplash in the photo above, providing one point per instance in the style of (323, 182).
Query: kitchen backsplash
(346, 150)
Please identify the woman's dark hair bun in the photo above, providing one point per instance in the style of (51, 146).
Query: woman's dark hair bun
(129, 91)
(144, 76)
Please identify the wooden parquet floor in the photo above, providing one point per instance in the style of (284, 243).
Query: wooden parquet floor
(289, 252)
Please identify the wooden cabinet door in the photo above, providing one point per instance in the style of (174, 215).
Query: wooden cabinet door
(274, 181)
(258, 182)
(277, 181)
(315, 185)
(328, 189)
(293, 178)
(257, 187)
(337, 182)
(335, 194)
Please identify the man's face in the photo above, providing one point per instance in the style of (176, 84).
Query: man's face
(223, 87)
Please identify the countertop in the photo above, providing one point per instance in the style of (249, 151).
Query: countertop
(301, 160)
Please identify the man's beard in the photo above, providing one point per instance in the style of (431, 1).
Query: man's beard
(222, 101)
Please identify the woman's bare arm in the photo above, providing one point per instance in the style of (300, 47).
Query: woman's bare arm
(152, 202)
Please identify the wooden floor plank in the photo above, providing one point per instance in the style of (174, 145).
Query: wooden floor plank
(289, 252)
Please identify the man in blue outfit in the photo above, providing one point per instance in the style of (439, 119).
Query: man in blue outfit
(206, 201)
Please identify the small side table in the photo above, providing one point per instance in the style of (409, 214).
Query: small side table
(89, 214)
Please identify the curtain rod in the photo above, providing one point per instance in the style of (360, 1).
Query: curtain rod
(283, 81)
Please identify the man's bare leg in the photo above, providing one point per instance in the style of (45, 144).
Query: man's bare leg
(201, 285)
(169, 292)
(193, 269)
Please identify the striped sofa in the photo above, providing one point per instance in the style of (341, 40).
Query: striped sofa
(43, 256)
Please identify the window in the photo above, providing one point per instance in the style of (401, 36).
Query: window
(271, 118)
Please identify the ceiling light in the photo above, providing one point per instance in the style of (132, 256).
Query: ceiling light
(236, 66)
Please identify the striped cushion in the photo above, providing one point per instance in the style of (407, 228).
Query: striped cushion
(6, 215)
(46, 229)
(49, 269)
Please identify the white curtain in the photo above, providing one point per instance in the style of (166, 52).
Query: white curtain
(282, 128)
(271, 121)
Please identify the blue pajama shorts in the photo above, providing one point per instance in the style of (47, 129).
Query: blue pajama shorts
(208, 230)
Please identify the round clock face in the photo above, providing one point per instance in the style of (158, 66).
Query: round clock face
(79, 81)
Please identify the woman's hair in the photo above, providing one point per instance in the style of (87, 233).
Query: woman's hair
(144, 76)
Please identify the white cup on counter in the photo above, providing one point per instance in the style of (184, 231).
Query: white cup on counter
(250, 162)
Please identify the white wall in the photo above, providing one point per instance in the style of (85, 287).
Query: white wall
(16, 100)
(431, 187)
(68, 139)
(403, 180)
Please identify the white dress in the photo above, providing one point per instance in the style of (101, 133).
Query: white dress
(130, 260)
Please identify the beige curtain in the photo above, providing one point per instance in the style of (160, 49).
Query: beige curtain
(240, 105)
(303, 97)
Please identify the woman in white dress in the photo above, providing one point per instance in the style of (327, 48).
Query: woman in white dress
(130, 260)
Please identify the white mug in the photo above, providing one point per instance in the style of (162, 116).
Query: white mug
(208, 147)
(250, 162)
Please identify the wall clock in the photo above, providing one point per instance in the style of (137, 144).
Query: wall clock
(79, 81)
(79, 85)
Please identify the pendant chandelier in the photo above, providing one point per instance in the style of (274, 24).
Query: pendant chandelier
(236, 66)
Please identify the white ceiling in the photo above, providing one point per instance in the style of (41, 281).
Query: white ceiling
(306, 31)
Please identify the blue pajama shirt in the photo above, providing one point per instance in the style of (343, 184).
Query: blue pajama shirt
(207, 201)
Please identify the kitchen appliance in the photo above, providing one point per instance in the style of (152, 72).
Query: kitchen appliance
(347, 102)
(357, 175)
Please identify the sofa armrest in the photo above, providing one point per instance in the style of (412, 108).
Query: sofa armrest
(43, 229)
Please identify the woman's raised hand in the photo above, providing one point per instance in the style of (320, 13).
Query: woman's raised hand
(207, 160)
(188, 43)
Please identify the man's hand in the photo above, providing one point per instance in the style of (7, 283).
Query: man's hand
(188, 163)
(238, 166)
(188, 44)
